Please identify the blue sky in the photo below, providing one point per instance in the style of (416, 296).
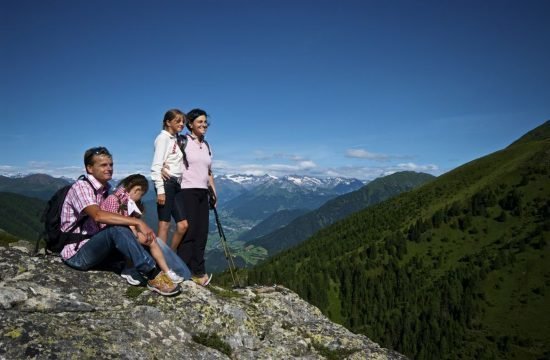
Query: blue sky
(348, 88)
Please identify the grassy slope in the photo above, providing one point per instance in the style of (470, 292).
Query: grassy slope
(509, 318)
(20, 215)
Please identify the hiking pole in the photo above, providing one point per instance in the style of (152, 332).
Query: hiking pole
(223, 240)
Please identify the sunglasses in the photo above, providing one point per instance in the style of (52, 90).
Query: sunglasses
(99, 150)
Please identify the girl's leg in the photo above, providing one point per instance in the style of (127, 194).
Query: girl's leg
(157, 254)
(163, 230)
(180, 217)
(181, 229)
(165, 212)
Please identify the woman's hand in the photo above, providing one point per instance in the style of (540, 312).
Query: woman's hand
(161, 199)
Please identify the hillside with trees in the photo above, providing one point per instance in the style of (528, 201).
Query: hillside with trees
(20, 215)
(457, 268)
(39, 186)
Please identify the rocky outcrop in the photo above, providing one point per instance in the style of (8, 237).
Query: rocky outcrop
(50, 311)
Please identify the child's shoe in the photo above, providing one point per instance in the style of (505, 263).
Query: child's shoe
(163, 285)
(176, 279)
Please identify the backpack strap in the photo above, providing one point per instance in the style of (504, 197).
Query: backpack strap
(83, 219)
(182, 143)
(80, 221)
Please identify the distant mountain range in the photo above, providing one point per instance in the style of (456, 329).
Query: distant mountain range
(304, 226)
(39, 186)
(257, 197)
(244, 200)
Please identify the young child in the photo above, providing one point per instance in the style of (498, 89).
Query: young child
(126, 200)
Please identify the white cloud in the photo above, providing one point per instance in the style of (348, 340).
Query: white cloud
(7, 168)
(307, 164)
(415, 167)
(39, 164)
(364, 154)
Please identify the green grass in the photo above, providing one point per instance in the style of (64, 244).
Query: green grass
(133, 292)
(251, 254)
(224, 293)
(6, 239)
(213, 341)
(336, 354)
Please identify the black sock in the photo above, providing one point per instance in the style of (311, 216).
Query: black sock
(153, 273)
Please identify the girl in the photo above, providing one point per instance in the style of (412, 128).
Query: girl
(197, 177)
(126, 200)
(166, 172)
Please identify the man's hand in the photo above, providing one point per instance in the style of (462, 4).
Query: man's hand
(143, 240)
(145, 233)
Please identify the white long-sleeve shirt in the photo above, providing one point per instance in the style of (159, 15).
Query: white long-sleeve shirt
(167, 152)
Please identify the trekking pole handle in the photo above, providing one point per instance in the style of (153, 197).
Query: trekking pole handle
(212, 199)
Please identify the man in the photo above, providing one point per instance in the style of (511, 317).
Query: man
(84, 200)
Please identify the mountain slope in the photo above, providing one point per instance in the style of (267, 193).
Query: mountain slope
(455, 269)
(272, 223)
(20, 215)
(40, 186)
(304, 226)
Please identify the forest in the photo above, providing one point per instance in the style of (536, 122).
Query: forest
(457, 268)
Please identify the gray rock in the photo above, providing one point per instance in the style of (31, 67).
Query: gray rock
(50, 311)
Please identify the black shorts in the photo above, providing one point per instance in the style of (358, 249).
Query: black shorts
(169, 209)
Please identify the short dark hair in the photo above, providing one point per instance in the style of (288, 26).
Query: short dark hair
(90, 153)
(171, 115)
(193, 114)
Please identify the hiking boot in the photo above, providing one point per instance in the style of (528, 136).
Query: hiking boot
(132, 276)
(202, 280)
(163, 285)
(176, 279)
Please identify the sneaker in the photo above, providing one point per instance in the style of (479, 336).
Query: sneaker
(176, 279)
(202, 280)
(132, 276)
(163, 285)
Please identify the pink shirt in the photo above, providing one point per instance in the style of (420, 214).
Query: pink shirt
(197, 174)
(80, 196)
(116, 203)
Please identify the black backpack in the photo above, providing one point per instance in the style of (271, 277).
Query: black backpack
(51, 217)
(182, 143)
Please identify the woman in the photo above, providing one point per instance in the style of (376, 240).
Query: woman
(168, 159)
(196, 178)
